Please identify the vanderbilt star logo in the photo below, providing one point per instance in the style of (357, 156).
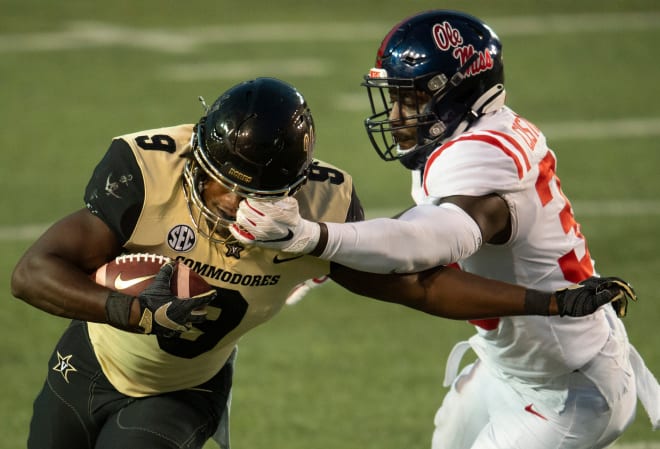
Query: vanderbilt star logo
(233, 250)
(64, 366)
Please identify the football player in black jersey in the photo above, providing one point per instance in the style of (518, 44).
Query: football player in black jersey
(114, 381)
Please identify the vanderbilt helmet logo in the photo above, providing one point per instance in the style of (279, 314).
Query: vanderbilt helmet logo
(308, 140)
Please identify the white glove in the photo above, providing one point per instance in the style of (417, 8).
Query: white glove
(276, 225)
(299, 291)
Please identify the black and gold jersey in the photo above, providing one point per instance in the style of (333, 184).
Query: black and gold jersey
(137, 189)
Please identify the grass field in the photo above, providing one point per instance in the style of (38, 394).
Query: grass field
(335, 371)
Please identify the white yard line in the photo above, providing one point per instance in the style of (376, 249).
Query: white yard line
(575, 129)
(238, 69)
(639, 445)
(22, 232)
(100, 34)
(598, 129)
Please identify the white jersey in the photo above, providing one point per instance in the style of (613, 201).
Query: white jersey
(505, 154)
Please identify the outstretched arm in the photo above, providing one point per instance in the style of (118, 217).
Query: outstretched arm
(455, 294)
(389, 246)
(380, 245)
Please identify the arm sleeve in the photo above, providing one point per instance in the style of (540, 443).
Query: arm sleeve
(115, 192)
(355, 210)
(423, 237)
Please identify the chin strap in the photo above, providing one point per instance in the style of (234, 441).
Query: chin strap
(416, 159)
(491, 100)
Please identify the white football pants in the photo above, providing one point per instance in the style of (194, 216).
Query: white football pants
(481, 411)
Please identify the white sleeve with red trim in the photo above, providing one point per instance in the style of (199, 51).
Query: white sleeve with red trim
(423, 237)
(475, 164)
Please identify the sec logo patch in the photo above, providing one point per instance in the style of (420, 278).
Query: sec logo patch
(181, 238)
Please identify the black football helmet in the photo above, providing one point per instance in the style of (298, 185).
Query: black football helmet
(257, 140)
(450, 63)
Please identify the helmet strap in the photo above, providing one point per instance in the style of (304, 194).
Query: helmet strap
(415, 160)
(491, 100)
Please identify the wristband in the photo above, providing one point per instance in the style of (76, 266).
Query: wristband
(537, 302)
(118, 309)
(323, 240)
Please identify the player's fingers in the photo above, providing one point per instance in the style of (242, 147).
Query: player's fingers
(605, 296)
(203, 298)
(241, 234)
(624, 287)
(617, 297)
(197, 316)
(246, 211)
(165, 272)
(253, 207)
(197, 306)
(265, 211)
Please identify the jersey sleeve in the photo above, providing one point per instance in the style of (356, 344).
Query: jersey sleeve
(472, 168)
(329, 195)
(421, 238)
(115, 192)
(355, 210)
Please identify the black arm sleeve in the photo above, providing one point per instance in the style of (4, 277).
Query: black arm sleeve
(115, 193)
(355, 211)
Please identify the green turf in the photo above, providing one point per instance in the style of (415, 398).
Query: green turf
(335, 371)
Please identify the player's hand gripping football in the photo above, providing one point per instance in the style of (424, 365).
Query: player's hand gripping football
(587, 296)
(276, 225)
(163, 314)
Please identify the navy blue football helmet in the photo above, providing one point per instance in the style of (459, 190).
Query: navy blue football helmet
(257, 140)
(441, 69)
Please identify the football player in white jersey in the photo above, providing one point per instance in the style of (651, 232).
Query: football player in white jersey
(488, 198)
(174, 191)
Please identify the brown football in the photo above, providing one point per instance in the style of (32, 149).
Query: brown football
(132, 273)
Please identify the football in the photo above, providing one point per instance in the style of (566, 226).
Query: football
(132, 273)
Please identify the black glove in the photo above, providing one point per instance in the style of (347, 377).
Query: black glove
(587, 296)
(164, 314)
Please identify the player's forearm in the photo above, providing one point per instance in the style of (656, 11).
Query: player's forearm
(459, 295)
(423, 237)
(55, 286)
(447, 293)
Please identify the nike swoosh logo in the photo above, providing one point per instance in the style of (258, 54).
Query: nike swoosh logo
(276, 259)
(160, 317)
(534, 412)
(122, 284)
